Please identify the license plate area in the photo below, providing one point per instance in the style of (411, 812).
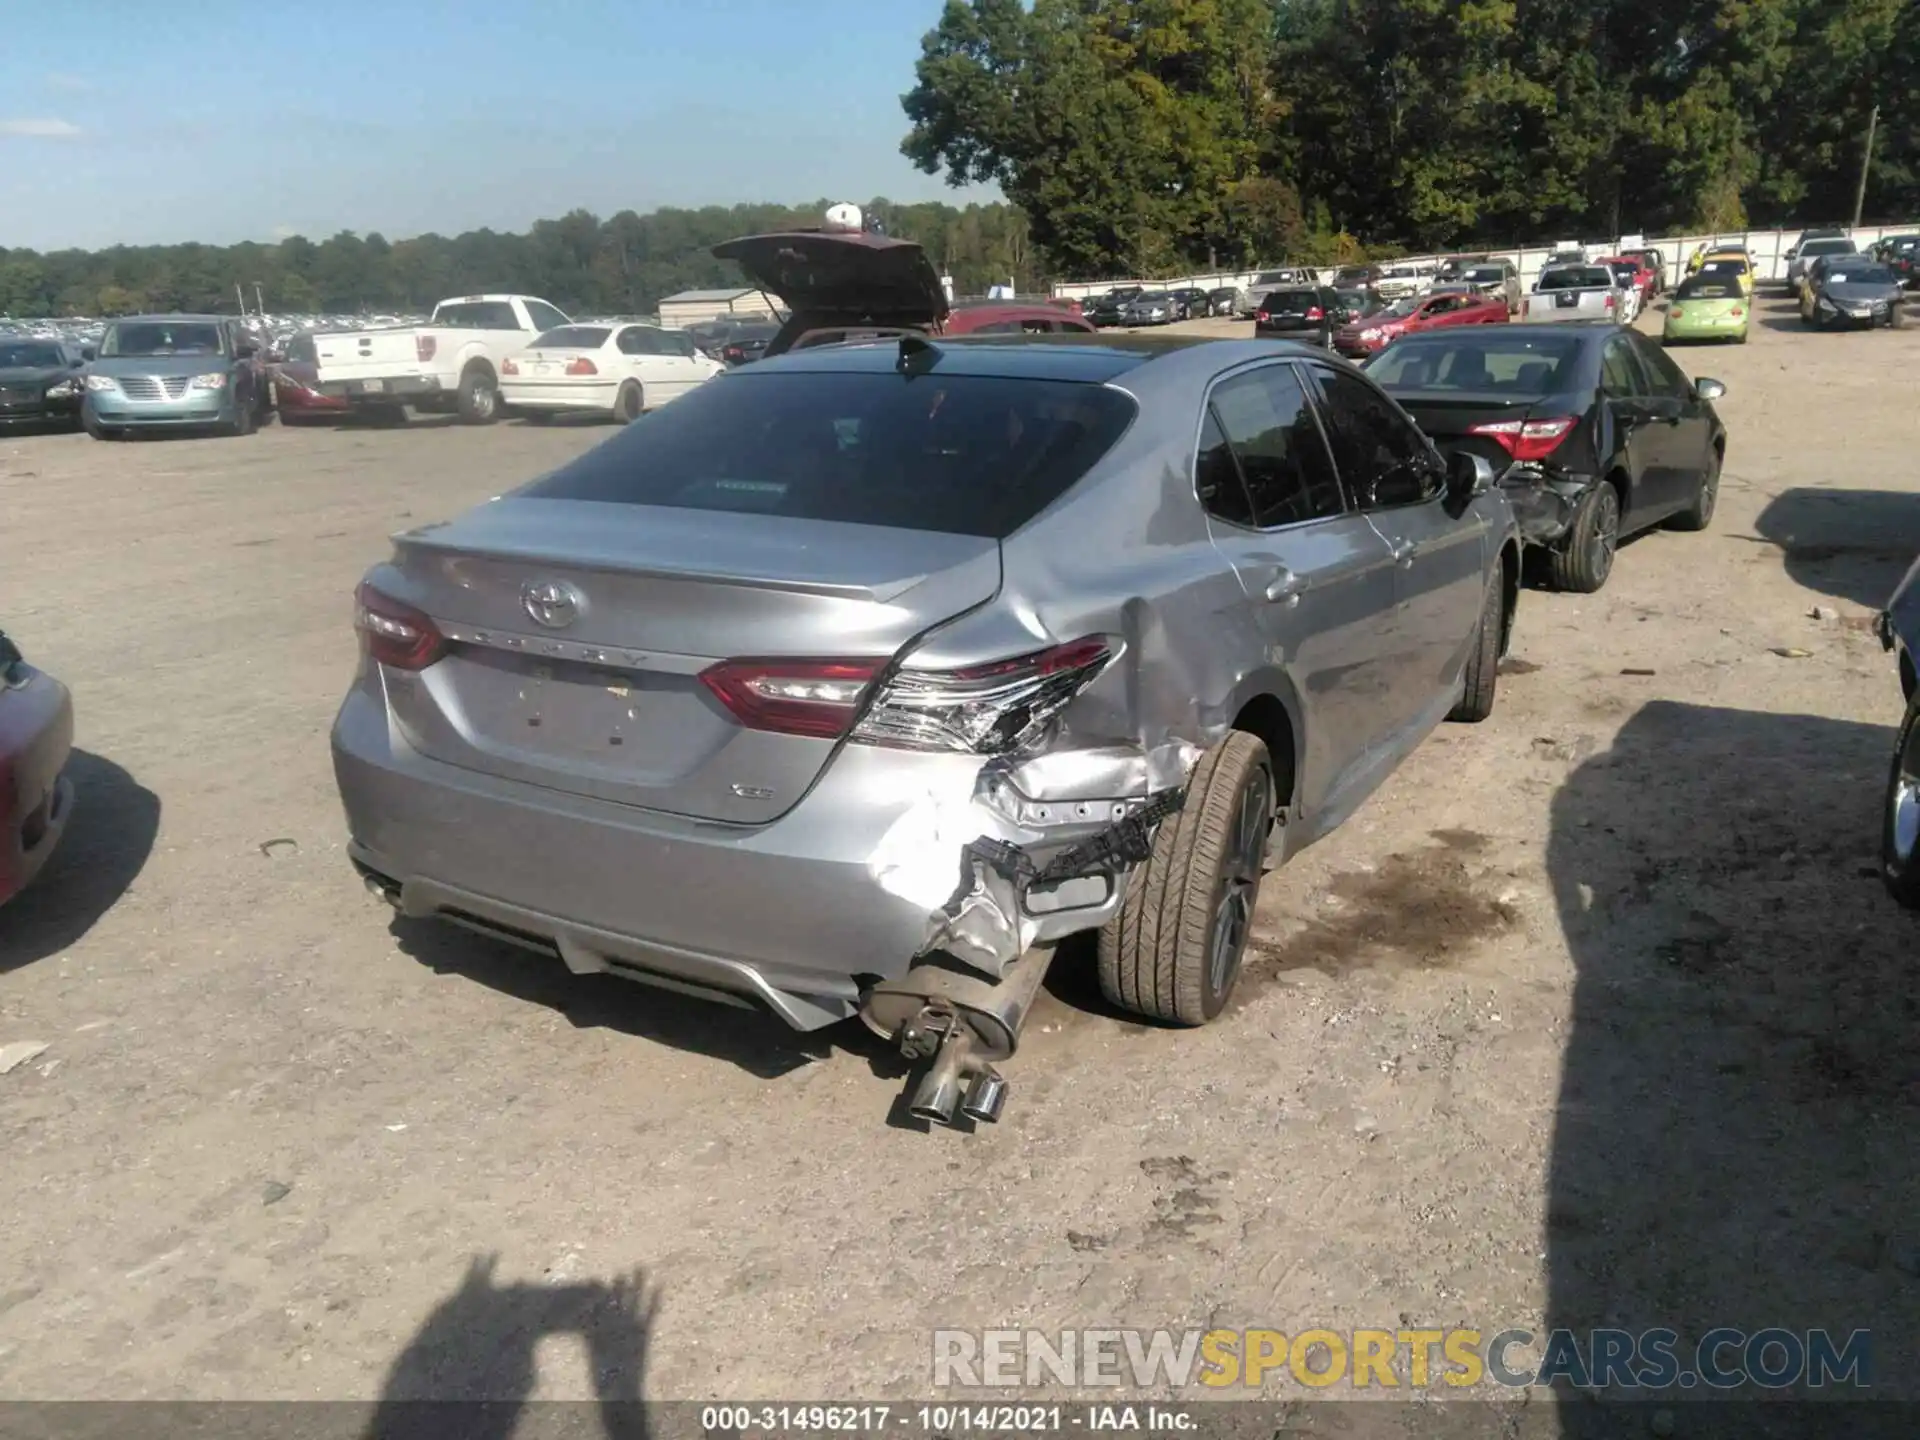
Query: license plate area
(1566, 300)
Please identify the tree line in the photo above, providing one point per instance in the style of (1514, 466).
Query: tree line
(622, 265)
(1148, 136)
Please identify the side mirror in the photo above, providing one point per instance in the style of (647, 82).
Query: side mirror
(79, 364)
(87, 352)
(246, 349)
(1709, 389)
(1468, 475)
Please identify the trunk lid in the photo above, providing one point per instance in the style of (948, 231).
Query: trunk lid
(609, 704)
(849, 276)
(1449, 416)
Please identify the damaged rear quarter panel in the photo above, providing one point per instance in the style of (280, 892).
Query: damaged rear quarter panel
(1125, 554)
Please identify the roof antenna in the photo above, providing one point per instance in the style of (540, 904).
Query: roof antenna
(917, 355)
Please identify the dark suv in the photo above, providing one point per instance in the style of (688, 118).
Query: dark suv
(1309, 313)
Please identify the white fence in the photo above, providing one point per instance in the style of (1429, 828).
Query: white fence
(1768, 248)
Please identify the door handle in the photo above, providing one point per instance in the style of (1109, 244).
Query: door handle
(1285, 588)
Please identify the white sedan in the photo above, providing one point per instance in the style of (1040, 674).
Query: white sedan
(618, 370)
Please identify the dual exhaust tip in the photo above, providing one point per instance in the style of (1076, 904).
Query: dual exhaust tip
(958, 1083)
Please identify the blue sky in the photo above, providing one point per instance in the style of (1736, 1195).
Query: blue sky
(123, 121)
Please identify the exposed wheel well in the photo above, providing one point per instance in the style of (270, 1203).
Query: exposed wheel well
(1622, 487)
(1265, 717)
(1907, 677)
(477, 363)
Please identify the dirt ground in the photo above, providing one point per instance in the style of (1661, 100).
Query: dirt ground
(1596, 1014)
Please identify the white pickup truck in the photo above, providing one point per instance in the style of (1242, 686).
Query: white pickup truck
(452, 363)
(1578, 292)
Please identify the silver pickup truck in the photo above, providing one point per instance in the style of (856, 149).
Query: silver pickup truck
(1577, 292)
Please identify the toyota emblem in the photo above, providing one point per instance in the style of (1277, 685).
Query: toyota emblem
(553, 603)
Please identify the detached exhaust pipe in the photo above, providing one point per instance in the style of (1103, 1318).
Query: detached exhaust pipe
(960, 1023)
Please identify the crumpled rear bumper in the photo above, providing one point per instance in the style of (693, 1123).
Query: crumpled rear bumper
(1543, 504)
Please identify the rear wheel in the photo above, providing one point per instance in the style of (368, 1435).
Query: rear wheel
(1584, 559)
(1174, 951)
(479, 397)
(1900, 824)
(630, 404)
(1483, 661)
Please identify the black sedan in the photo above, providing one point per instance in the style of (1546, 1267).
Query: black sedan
(40, 383)
(1853, 290)
(1309, 313)
(1189, 303)
(1594, 431)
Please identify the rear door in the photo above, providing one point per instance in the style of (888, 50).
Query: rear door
(643, 360)
(1440, 561)
(1643, 439)
(1317, 574)
(1688, 445)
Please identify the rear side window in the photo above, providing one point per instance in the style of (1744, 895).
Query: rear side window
(963, 454)
(1265, 420)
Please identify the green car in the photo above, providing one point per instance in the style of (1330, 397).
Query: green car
(1708, 307)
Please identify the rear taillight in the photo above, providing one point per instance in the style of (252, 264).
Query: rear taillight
(980, 709)
(1316, 313)
(507, 367)
(1738, 312)
(1610, 301)
(1527, 439)
(817, 698)
(1262, 315)
(395, 634)
(423, 346)
(581, 365)
(732, 352)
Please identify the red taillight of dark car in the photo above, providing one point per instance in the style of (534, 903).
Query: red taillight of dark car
(981, 709)
(1527, 439)
(733, 354)
(1316, 313)
(393, 633)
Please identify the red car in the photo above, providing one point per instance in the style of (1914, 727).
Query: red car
(296, 385)
(840, 285)
(36, 737)
(1643, 276)
(1371, 335)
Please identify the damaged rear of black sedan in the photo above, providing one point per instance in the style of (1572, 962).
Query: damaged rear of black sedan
(1595, 432)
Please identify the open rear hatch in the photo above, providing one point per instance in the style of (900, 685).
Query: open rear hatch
(577, 634)
(827, 278)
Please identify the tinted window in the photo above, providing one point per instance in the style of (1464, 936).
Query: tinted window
(1827, 247)
(1619, 376)
(573, 337)
(31, 356)
(680, 343)
(300, 350)
(482, 315)
(1575, 277)
(1269, 426)
(1487, 274)
(1383, 457)
(1290, 302)
(1216, 477)
(1497, 358)
(1668, 378)
(1709, 287)
(964, 454)
(544, 316)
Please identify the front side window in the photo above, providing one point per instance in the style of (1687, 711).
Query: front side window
(1619, 376)
(1382, 455)
(1266, 420)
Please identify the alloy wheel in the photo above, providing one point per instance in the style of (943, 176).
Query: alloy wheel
(1240, 882)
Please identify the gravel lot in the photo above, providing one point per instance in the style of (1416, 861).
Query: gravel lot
(1596, 1014)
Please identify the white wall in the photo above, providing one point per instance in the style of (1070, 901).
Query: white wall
(1768, 248)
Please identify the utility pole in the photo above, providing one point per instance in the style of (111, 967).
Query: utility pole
(1866, 160)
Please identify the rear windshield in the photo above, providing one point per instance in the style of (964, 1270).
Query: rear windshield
(1828, 247)
(1708, 287)
(963, 455)
(1576, 277)
(1484, 274)
(1511, 362)
(477, 315)
(1291, 301)
(574, 337)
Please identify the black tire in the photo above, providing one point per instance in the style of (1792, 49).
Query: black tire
(1482, 669)
(537, 417)
(630, 403)
(478, 397)
(1900, 814)
(1699, 515)
(245, 418)
(1174, 950)
(1581, 562)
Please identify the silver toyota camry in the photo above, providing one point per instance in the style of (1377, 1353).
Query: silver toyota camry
(854, 680)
